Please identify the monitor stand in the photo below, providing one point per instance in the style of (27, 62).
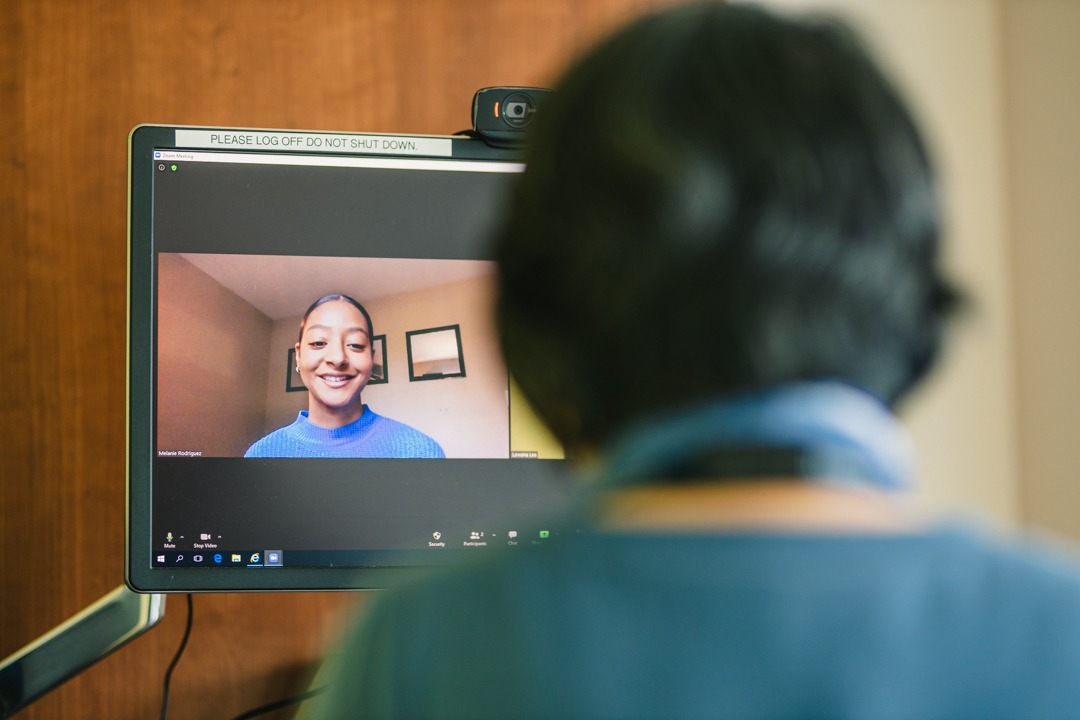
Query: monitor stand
(75, 645)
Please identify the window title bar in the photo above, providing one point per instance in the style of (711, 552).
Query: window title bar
(163, 156)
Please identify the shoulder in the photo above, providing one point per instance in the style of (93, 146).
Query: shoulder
(277, 443)
(997, 557)
(264, 446)
(405, 439)
(1027, 572)
(1019, 602)
(428, 645)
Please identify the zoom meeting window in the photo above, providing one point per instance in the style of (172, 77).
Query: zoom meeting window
(244, 244)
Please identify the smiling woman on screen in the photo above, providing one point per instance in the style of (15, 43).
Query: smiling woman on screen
(334, 357)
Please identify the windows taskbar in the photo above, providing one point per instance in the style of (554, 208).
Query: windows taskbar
(324, 558)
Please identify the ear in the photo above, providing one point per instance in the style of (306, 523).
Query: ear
(296, 353)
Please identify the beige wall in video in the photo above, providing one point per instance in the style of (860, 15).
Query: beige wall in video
(208, 337)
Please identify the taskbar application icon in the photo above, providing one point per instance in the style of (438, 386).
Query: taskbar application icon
(266, 558)
(241, 558)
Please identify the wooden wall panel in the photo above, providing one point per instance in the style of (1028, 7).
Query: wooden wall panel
(75, 77)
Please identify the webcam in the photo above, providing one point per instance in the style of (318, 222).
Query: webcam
(501, 115)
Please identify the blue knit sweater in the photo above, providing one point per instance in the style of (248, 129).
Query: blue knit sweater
(370, 436)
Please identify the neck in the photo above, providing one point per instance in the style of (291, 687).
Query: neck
(824, 431)
(332, 418)
(811, 455)
(772, 504)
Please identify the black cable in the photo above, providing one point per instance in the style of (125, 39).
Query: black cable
(278, 704)
(262, 709)
(176, 659)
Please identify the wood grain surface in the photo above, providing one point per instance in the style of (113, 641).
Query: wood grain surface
(75, 77)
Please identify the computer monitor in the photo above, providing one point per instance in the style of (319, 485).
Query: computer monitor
(232, 485)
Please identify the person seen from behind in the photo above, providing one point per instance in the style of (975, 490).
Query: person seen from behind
(720, 275)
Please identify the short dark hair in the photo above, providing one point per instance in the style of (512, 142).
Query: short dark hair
(717, 200)
(331, 298)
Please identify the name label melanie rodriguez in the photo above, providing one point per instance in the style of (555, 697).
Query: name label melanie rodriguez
(317, 142)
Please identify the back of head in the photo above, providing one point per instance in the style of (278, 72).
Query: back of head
(718, 200)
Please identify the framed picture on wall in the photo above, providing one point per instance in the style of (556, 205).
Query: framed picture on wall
(293, 383)
(435, 353)
(379, 374)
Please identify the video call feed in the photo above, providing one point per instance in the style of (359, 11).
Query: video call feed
(381, 431)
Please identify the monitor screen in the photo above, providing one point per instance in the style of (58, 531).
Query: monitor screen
(271, 449)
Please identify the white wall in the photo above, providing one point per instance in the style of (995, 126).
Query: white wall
(946, 56)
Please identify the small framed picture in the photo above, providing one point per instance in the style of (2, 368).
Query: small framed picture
(435, 353)
(293, 382)
(379, 373)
